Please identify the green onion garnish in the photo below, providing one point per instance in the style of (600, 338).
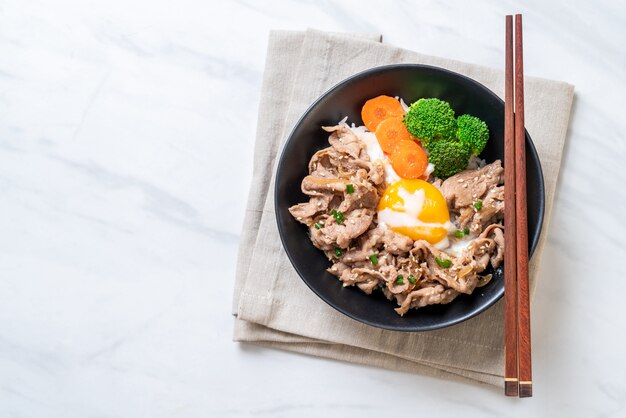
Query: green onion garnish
(443, 263)
(400, 279)
(412, 279)
(374, 259)
(478, 204)
(337, 215)
(317, 225)
(338, 252)
(458, 233)
(349, 188)
(466, 231)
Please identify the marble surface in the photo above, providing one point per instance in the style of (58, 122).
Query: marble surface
(126, 137)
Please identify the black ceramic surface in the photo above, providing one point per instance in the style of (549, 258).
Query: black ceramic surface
(410, 82)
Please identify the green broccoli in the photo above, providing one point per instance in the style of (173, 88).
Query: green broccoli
(472, 132)
(430, 119)
(448, 157)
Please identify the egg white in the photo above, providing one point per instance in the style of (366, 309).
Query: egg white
(457, 246)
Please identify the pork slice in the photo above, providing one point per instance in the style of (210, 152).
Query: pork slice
(496, 233)
(357, 254)
(482, 261)
(464, 188)
(304, 212)
(321, 164)
(383, 243)
(346, 166)
(492, 209)
(368, 286)
(340, 235)
(363, 194)
(316, 186)
(395, 243)
(339, 160)
(370, 241)
(487, 248)
(348, 154)
(426, 296)
(398, 288)
(496, 259)
(465, 217)
(465, 282)
(365, 278)
(364, 246)
(338, 268)
(377, 173)
(344, 140)
(369, 272)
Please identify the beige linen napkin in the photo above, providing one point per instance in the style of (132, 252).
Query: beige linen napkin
(274, 308)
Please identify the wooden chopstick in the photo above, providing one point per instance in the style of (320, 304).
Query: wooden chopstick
(517, 362)
(511, 379)
(521, 230)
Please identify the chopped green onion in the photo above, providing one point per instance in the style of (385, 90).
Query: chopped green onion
(400, 279)
(349, 188)
(443, 263)
(337, 215)
(317, 225)
(412, 279)
(466, 231)
(478, 204)
(374, 259)
(458, 233)
(338, 252)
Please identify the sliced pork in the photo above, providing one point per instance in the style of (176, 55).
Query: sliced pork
(344, 188)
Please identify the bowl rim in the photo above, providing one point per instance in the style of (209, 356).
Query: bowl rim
(356, 77)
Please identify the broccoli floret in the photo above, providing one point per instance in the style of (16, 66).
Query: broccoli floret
(472, 132)
(430, 119)
(448, 157)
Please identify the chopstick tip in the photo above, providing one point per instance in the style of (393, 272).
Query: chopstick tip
(510, 386)
(525, 389)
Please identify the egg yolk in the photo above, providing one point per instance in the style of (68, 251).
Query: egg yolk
(415, 208)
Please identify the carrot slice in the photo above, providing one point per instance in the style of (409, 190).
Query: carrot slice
(378, 109)
(390, 132)
(408, 159)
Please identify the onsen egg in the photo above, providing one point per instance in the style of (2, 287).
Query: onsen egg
(417, 209)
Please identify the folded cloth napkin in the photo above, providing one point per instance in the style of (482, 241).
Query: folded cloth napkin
(274, 308)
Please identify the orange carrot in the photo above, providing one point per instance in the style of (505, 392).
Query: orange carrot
(390, 132)
(378, 109)
(408, 159)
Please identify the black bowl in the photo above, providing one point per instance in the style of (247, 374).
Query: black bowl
(410, 82)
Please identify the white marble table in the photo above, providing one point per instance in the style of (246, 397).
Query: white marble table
(126, 135)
